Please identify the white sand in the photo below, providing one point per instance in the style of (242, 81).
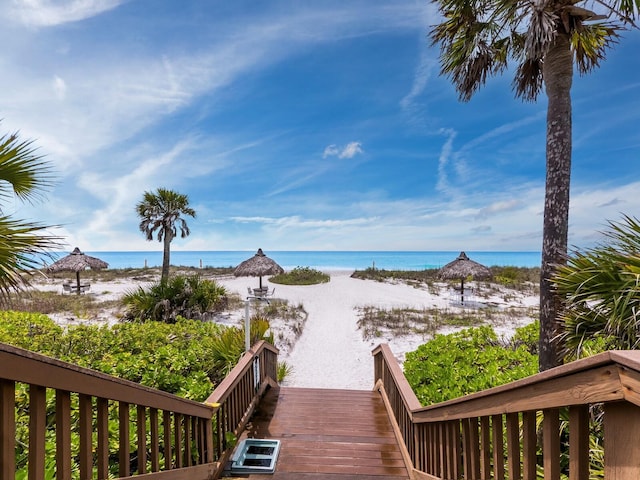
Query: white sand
(331, 352)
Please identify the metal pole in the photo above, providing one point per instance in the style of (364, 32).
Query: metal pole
(247, 326)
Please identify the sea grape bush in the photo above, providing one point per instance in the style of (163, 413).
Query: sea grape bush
(453, 365)
(301, 276)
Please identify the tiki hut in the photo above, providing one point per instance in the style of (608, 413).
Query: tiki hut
(77, 261)
(257, 266)
(463, 268)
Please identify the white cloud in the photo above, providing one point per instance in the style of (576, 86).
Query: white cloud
(330, 151)
(350, 150)
(46, 13)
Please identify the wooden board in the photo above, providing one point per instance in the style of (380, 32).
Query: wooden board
(329, 434)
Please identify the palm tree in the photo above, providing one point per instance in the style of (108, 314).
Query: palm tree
(545, 39)
(602, 288)
(25, 175)
(162, 212)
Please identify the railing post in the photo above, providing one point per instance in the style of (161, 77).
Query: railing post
(63, 435)
(7, 429)
(622, 453)
(37, 430)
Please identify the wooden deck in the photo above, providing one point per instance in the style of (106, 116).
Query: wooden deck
(329, 434)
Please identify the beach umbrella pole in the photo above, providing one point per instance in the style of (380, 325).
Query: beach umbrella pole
(462, 290)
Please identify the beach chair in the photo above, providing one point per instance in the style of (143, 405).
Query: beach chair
(66, 288)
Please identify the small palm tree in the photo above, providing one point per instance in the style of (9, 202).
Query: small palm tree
(26, 175)
(602, 290)
(545, 39)
(162, 213)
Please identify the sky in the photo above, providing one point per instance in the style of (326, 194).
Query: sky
(297, 125)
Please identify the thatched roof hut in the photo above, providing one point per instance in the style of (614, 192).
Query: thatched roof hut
(77, 261)
(461, 268)
(257, 266)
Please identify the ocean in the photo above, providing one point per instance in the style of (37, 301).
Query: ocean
(321, 260)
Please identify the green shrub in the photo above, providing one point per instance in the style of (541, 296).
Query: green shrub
(186, 296)
(450, 366)
(301, 276)
(427, 276)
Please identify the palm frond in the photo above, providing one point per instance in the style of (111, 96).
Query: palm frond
(602, 290)
(590, 43)
(22, 171)
(23, 245)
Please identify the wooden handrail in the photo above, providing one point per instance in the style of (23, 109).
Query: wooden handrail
(172, 438)
(494, 433)
(237, 396)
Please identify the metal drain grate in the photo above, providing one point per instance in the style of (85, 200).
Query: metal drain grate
(255, 456)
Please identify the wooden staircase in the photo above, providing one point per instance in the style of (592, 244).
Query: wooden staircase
(329, 434)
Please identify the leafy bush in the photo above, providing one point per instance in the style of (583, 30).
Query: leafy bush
(301, 276)
(450, 366)
(186, 296)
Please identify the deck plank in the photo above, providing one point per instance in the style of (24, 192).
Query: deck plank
(328, 435)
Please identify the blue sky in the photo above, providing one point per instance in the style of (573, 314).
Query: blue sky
(297, 125)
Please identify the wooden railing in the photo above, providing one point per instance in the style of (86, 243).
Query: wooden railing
(239, 393)
(173, 438)
(499, 433)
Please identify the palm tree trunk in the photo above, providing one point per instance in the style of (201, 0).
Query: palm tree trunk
(166, 256)
(557, 73)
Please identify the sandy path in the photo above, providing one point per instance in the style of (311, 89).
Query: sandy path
(331, 352)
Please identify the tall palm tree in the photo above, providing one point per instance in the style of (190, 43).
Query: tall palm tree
(162, 212)
(545, 39)
(602, 288)
(25, 175)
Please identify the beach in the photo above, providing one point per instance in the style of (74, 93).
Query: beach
(331, 351)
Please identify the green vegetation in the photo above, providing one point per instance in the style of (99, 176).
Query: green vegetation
(284, 370)
(450, 366)
(600, 288)
(185, 296)
(516, 278)
(427, 276)
(187, 358)
(379, 322)
(301, 276)
(24, 176)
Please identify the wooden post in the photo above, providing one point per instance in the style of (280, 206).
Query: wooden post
(622, 451)
(37, 430)
(7, 429)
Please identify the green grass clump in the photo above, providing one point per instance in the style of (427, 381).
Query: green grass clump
(301, 276)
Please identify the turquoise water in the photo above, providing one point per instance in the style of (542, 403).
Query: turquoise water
(322, 260)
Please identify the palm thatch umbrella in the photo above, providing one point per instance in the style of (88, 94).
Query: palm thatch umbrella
(462, 268)
(257, 266)
(77, 261)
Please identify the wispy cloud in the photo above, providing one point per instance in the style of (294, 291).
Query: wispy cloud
(47, 13)
(444, 159)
